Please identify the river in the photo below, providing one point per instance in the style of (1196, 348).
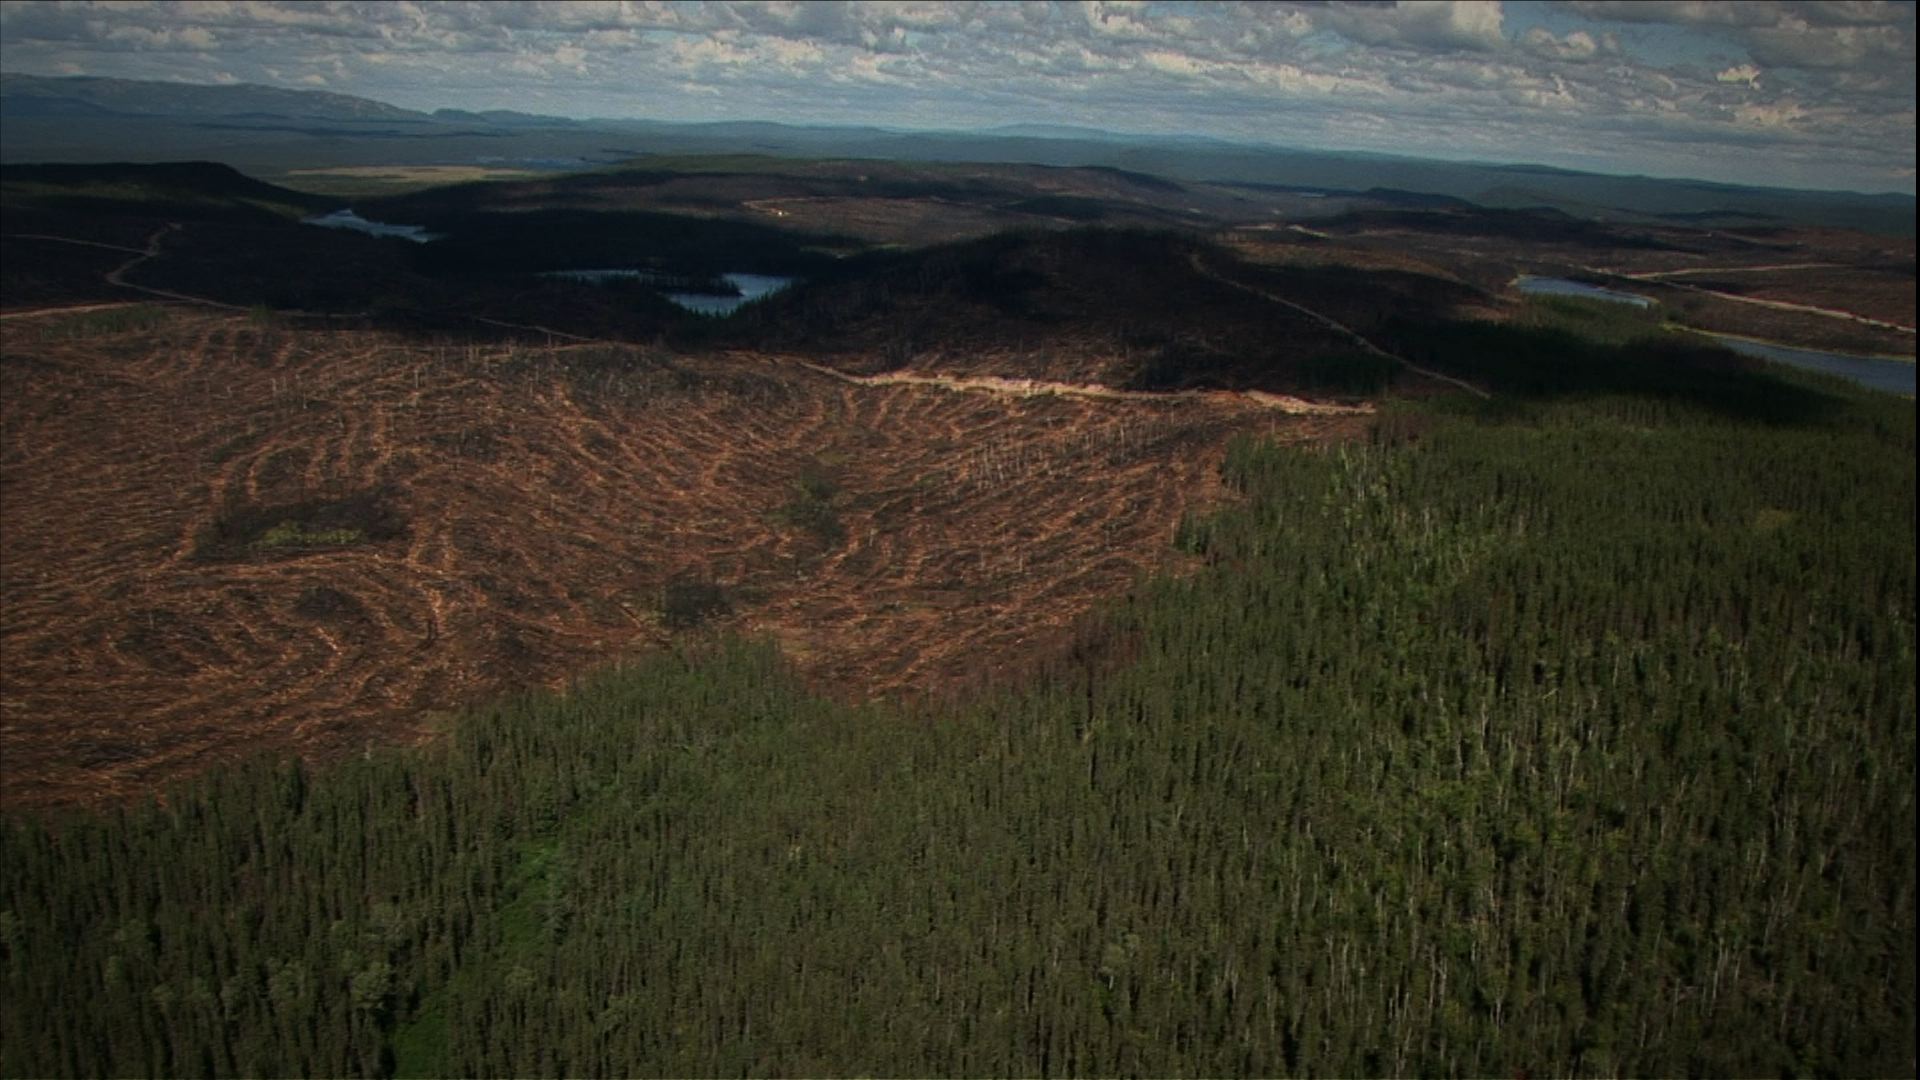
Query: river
(1873, 372)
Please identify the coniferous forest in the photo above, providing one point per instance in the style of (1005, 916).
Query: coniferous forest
(1567, 733)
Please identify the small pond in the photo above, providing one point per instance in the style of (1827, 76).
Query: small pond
(1553, 286)
(752, 287)
(684, 290)
(347, 219)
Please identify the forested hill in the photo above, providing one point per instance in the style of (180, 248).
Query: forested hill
(1567, 733)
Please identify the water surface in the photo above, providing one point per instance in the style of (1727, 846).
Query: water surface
(752, 287)
(347, 219)
(1872, 372)
(1553, 286)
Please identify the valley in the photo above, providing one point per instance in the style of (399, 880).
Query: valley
(742, 613)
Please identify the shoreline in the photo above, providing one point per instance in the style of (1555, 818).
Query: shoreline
(1897, 358)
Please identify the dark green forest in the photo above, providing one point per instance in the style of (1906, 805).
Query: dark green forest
(1567, 733)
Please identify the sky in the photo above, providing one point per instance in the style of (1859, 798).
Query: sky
(1793, 94)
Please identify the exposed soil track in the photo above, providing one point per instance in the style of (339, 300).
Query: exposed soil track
(892, 532)
(117, 277)
(1342, 329)
(1806, 309)
(68, 309)
(1026, 388)
(1666, 278)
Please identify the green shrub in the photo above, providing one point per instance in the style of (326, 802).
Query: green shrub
(813, 506)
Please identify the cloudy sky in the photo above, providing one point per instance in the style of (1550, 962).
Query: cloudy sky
(1788, 93)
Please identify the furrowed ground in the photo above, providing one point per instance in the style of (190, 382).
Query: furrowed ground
(221, 535)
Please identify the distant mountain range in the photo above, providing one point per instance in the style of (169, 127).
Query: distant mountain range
(35, 96)
(268, 131)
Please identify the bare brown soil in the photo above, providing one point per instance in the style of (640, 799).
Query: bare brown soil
(469, 519)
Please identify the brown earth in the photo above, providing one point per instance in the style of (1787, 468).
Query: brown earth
(219, 536)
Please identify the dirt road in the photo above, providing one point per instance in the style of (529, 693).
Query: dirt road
(1662, 277)
(1342, 329)
(1007, 387)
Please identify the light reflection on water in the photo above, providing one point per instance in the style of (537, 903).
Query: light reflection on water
(347, 219)
(1872, 372)
(1553, 286)
(752, 287)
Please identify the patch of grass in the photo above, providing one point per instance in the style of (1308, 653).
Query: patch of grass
(812, 508)
(111, 322)
(293, 534)
(296, 528)
(1602, 322)
(353, 181)
(421, 1043)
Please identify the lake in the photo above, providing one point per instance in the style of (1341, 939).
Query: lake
(1872, 372)
(752, 287)
(347, 219)
(1553, 286)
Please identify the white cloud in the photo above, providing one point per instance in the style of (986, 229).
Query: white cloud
(1781, 115)
(1576, 45)
(1117, 18)
(1821, 81)
(1810, 35)
(1419, 24)
(1796, 43)
(1173, 63)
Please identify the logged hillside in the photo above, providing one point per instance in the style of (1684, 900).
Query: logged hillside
(1567, 733)
(378, 526)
